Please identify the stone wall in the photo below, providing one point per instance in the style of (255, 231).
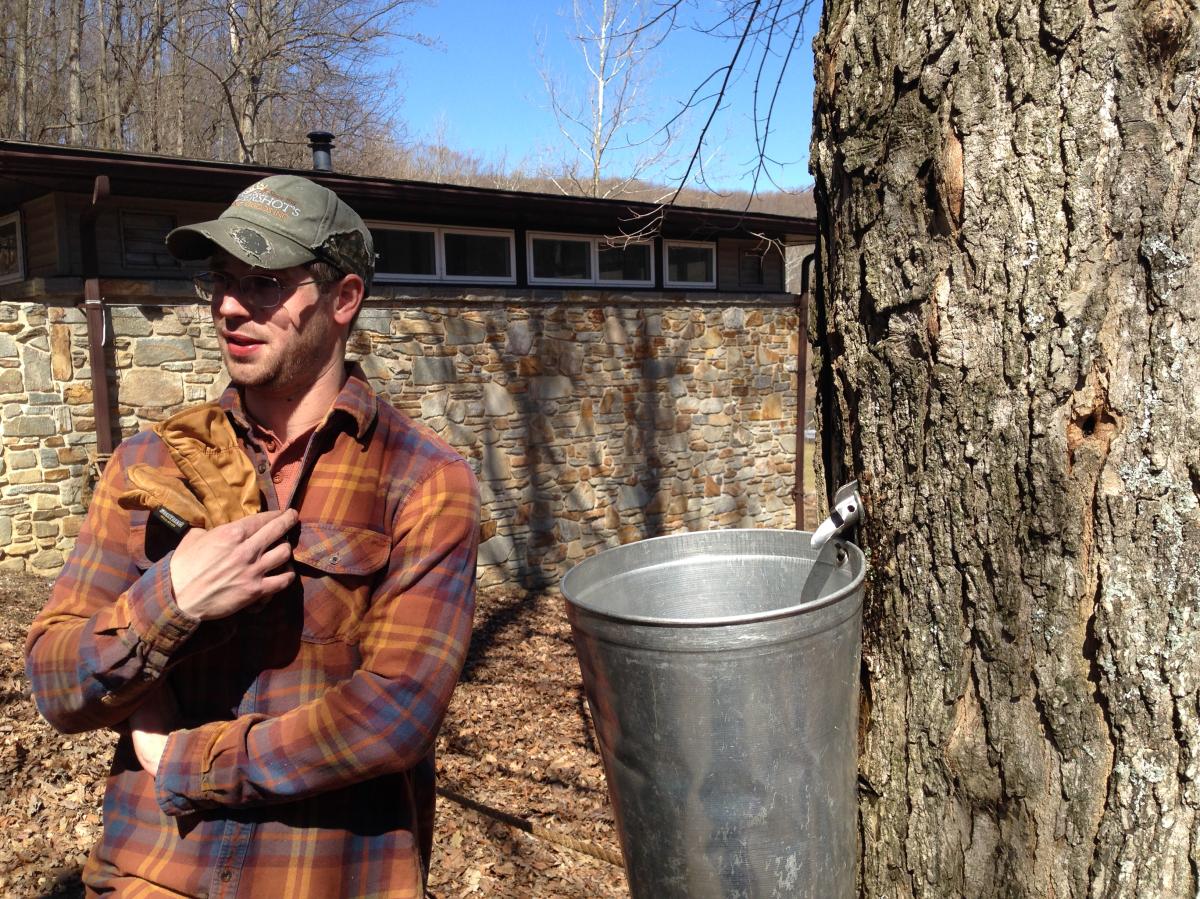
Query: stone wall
(591, 420)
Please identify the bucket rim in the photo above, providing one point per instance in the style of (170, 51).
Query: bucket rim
(853, 552)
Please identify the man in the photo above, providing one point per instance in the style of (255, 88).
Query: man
(277, 677)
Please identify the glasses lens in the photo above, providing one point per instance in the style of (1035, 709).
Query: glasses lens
(261, 291)
(209, 285)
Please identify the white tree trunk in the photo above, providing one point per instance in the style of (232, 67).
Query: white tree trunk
(75, 74)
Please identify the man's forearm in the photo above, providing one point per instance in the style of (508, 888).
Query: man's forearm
(111, 627)
(385, 717)
(90, 670)
(362, 729)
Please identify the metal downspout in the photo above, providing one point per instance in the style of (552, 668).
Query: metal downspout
(801, 386)
(93, 307)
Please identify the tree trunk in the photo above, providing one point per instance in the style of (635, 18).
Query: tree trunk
(179, 69)
(243, 81)
(1009, 320)
(157, 116)
(107, 88)
(22, 67)
(74, 73)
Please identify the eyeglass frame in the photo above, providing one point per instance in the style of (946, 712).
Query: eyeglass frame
(210, 296)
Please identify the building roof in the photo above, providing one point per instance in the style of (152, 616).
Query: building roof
(30, 170)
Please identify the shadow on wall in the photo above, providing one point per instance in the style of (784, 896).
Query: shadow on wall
(591, 425)
(559, 409)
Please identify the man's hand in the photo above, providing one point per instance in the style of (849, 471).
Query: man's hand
(151, 724)
(218, 572)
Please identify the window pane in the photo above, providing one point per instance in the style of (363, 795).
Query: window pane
(478, 255)
(143, 236)
(562, 259)
(630, 263)
(405, 252)
(750, 269)
(690, 264)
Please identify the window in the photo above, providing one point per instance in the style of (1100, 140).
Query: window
(750, 269)
(560, 259)
(479, 255)
(430, 253)
(12, 255)
(143, 239)
(690, 264)
(573, 259)
(632, 263)
(407, 252)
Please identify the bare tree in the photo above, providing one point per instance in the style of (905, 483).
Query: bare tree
(764, 36)
(610, 127)
(22, 52)
(74, 73)
(244, 79)
(289, 58)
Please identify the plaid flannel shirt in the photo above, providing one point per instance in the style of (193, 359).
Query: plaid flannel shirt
(304, 767)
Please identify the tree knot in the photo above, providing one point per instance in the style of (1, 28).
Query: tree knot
(1166, 26)
(1092, 429)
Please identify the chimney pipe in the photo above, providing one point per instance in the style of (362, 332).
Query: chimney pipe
(321, 143)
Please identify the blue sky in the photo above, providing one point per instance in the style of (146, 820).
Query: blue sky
(480, 89)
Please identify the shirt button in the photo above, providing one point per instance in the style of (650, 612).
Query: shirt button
(262, 467)
(226, 875)
(277, 478)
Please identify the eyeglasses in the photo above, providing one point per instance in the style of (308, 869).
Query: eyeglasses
(253, 291)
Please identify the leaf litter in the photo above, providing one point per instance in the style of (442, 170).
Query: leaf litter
(517, 738)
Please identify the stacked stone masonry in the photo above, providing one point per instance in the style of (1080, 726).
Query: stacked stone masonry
(590, 421)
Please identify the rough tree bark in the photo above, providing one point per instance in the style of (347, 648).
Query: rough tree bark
(1010, 315)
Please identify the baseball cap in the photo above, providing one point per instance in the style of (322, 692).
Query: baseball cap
(281, 221)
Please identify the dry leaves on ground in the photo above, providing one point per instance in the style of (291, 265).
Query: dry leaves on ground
(516, 738)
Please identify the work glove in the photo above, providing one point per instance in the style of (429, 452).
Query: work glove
(219, 484)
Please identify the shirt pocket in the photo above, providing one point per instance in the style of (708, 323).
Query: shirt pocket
(149, 540)
(137, 547)
(337, 566)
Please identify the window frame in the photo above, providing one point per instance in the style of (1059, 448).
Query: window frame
(710, 245)
(18, 273)
(595, 241)
(386, 277)
(439, 252)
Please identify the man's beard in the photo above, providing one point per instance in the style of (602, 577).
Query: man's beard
(296, 366)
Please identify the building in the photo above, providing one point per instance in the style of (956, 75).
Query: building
(614, 370)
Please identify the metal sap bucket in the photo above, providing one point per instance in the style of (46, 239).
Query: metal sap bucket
(722, 672)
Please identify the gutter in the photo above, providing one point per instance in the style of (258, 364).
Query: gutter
(93, 307)
(801, 393)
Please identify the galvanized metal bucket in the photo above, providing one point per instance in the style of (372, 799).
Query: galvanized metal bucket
(722, 673)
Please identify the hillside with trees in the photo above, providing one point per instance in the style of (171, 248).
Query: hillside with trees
(246, 81)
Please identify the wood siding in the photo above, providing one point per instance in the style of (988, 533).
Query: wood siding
(40, 224)
(124, 243)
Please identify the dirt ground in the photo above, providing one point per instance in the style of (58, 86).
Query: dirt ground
(517, 738)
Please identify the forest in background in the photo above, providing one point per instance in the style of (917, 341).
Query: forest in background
(246, 81)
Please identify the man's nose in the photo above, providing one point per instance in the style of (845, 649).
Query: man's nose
(230, 305)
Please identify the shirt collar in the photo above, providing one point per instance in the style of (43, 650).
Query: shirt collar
(356, 399)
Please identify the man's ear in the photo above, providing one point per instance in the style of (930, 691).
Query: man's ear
(348, 299)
